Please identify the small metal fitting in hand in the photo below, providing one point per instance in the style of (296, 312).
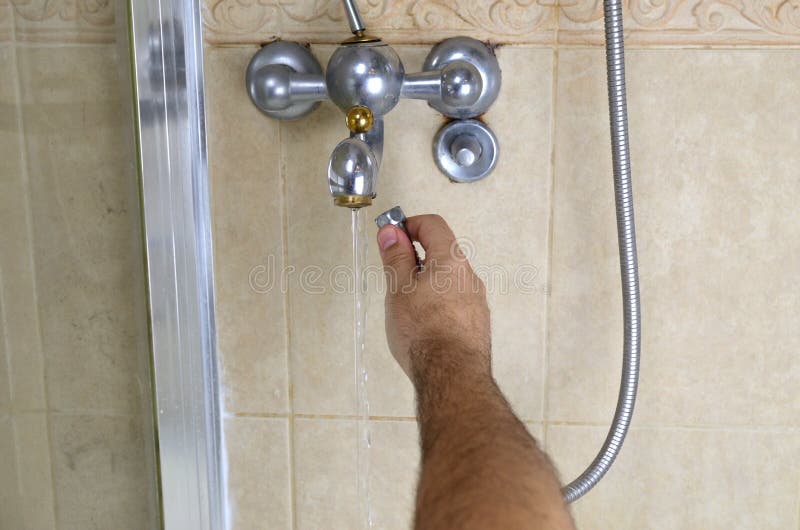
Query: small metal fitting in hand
(395, 216)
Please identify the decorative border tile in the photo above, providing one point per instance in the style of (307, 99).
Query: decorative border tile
(81, 21)
(686, 22)
(398, 21)
(648, 22)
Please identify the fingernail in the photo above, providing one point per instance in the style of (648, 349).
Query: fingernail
(386, 238)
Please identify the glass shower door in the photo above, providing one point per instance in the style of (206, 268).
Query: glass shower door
(76, 414)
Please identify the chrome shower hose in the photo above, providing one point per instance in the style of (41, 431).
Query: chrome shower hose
(626, 236)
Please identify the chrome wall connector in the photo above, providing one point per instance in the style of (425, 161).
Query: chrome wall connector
(465, 150)
(366, 79)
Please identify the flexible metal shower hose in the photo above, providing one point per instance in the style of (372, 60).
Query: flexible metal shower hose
(626, 235)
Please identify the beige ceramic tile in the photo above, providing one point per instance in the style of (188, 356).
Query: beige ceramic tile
(689, 22)
(21, 337)
(326, 466)
(393, 464)
(64, 21)
(84, 226)
(35, 480)
(404, 21)
(504, 218)
(244, 165)
(6, 22)
(537, 431)
(325, 481)
(259, 489)
(389, 390)
(100, 481)
(715, 190)
(683, 478)
(319, 238)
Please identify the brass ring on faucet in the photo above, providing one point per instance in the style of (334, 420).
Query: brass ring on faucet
(352, 201)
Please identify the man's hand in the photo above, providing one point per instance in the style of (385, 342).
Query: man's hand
(481, 469)
(437, 319)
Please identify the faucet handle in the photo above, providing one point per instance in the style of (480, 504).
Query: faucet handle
(285, 80)
(457, 85)
(460, 78)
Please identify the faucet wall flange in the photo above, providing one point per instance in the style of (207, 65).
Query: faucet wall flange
(465, 150)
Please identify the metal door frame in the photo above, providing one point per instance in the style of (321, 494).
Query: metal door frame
(167, 76)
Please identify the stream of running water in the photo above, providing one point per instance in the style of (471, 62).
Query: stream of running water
(360, 299)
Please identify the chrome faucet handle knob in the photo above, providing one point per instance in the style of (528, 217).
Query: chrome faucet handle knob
(460, 78)
(285, 81)
(457, 85)
(461, 84)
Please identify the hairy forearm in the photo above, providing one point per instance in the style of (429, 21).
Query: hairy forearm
(480, 467)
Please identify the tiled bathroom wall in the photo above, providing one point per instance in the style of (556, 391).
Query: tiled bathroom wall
(714, 101)
(73, 435)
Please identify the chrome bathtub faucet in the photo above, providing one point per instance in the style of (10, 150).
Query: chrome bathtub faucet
(365, 78)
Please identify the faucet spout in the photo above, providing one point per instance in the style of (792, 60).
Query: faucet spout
(353, 167)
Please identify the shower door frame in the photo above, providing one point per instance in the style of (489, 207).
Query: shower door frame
(165, 45)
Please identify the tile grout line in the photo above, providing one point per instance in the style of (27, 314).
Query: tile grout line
(550, 219)
(716, 428)
(646, 426)
(752, 429)
(287, 342)
(733, 45)
(690, 45)
(323, 417)
(24, 173)
(60, 45)
(797, 501)
(87, 412)
(6, 346)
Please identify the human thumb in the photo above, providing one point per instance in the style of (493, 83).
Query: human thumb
(398, 256)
